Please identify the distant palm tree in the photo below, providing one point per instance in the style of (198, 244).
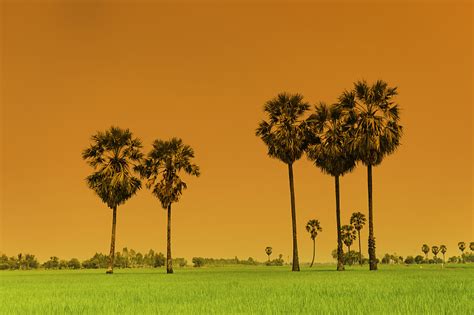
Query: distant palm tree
(161, 169)
(331, 154)
(358, 221)
(425, 249)
(435, 251)
(443, 249)
(377, 133)
(348, 236)
(285, 136)
(113, 154)
(462, 248)
(269, 251)
(313, 227)
(471, 246)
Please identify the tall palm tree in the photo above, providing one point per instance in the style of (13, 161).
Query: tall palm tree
(114, 155)
(285, 134)
(268, 251)
(348, 234)
(377, 133)
(161, 169)
(313, 227)
(331, 154)
(425, 249)
(443, 249)
(435, 251)
(358, 221)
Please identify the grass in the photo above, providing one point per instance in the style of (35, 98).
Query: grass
(230, 290)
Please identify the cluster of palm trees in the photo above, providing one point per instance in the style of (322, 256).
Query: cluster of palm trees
(435, 250)
(362, 126)
(120, 166)
(443, 249)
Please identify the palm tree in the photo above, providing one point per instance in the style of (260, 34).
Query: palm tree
(462, 247)
(471, 246)
(313, 227)
(358, 221)
(114, 155)
(435, 251)
(268, 251)
(425, 249)
(331, 154)
(161, 169)
(443, 249)
(348, 236)
(286, 138)
(377, 133)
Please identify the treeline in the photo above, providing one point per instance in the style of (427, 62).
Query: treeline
(128, 258)
(125, 259)
(215, 262)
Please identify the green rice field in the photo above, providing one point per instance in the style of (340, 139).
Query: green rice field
(235, 290)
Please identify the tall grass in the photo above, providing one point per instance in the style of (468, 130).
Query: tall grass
(244, 289)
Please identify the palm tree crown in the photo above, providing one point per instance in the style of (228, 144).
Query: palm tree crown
(331, 152)
(375, 120)
(348, 234)
(313, 227)
(462, 246)
(285, 131)
(114, 154)
(162, 166)
(443, 249)
(358, 220)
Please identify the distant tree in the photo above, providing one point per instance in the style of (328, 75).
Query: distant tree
(462, 248)
(331, 153)
(285, 134)
(386, 259)
(29, 262)
(52, 263)
(443, 250)
(471, 246)
(425, 249)
(268, 251)
(435, 251)
(198, 261)
(453, 259)
(4, 265)
(63, 264)
(419, 259)
(313, 227)
(160, 260)
(74, 264)
(113, 155)
(348, 237)
(410, 260)
(161, 169)
(358, 221)
(377, 133)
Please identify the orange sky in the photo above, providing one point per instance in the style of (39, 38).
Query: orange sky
(202, 72)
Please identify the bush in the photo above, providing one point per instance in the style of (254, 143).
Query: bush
(198, 262)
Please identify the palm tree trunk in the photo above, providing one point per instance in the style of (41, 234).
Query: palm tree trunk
(340, 259)
(444, 259)
(350, 257)
(110, 268)
(169, 261)
(296, 264)
(314, 250)
(360, 251)
(372, 256)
